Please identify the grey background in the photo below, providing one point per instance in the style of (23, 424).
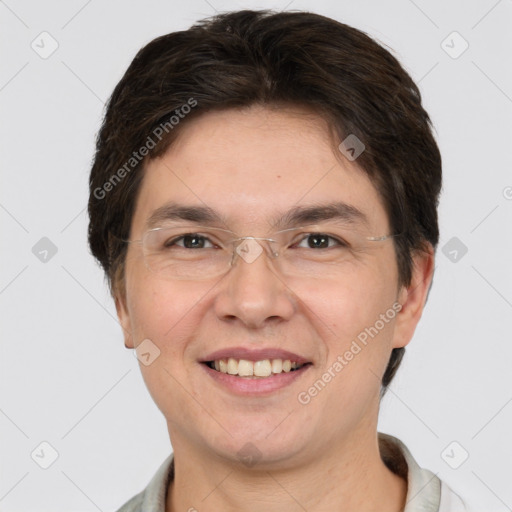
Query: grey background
(66, 377)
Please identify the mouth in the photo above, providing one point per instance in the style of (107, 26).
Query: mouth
(254, 372)
(261, 369)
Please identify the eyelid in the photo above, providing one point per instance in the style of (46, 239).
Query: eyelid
(193, 229)
(199, 233)
(338, 241)
(203, 231)
(190, 230)
(307, 230)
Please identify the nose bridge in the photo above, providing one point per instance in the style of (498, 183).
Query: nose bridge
(250, 248)
(254, 289)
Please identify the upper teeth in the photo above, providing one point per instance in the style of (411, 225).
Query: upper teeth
(263, 368)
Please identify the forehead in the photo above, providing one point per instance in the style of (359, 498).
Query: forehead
(255, 167)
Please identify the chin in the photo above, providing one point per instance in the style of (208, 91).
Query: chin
(259, 448)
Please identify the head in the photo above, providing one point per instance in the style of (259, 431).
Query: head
(244, 113)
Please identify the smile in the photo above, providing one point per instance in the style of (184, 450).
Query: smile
(253, 369)
(258, 372)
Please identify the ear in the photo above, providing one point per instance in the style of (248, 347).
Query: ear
(413, 297)
(124, 317)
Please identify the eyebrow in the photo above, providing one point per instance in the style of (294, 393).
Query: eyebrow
(175, 211)
(338, 211)
(296, 216)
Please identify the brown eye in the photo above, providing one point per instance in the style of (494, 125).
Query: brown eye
(193, 241)
(320, 241)
(188, 241)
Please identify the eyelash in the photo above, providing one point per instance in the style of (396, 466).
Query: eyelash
(337, 240)
(341, 243)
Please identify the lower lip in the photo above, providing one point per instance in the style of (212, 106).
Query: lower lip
(255, 386)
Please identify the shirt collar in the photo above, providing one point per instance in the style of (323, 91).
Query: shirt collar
(423, 486)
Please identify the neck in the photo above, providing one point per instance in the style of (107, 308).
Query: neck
(350, 477)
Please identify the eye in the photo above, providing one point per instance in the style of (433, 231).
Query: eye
(188, 241)
(321, 241)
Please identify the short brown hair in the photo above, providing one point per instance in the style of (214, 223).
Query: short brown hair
(242, 58)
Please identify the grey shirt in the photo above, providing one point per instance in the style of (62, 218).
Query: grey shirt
(425, 491)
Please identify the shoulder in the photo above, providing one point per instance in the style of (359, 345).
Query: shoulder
(425, 491)
(134, 504)
(450, 501)
(153, 497)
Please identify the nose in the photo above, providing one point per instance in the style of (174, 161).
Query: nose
(253, 292)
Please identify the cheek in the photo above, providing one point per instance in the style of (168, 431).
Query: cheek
(358, 345)
(166, 314)
(355, 320)
(160, 310)
(345, 309)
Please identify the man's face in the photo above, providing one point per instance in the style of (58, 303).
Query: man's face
(251, 166)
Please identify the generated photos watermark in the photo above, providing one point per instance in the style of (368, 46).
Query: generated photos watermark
(139, 155)
(304, 397)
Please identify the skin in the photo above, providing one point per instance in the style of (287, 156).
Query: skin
(248, 164)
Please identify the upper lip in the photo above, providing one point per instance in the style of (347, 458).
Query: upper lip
(255, 354)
